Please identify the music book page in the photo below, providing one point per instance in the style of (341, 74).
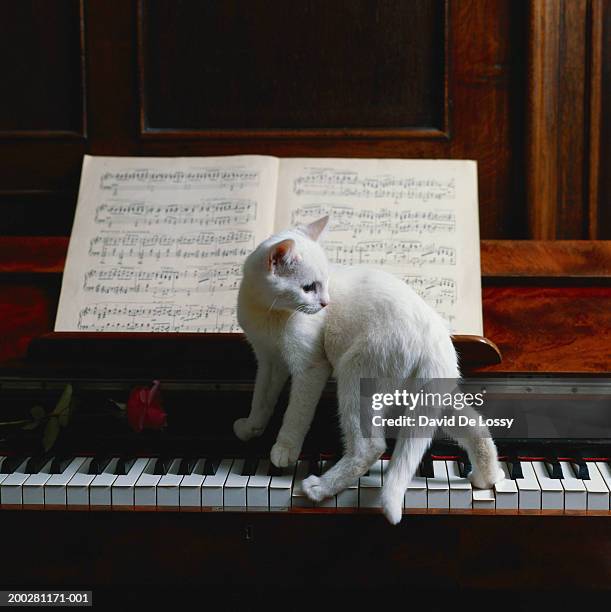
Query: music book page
(158, 244)
(417, 219)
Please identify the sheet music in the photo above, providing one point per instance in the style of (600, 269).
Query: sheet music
(415, 218)
(158, 243)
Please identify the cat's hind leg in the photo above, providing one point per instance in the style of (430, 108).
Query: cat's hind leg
(359, 453)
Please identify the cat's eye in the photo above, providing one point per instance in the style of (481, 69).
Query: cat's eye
(309, 288)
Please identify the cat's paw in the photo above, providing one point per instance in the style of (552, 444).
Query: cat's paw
(315, 488)
(245, 431)
(392, 505)
(282, 455)
(485, 481)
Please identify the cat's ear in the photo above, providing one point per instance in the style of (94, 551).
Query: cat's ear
(315, 229)
(281, 253)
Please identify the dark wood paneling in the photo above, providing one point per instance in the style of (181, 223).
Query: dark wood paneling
(275, 65)
(603, 125)
(41, 51)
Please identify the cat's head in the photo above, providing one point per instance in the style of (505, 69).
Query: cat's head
(290, 271)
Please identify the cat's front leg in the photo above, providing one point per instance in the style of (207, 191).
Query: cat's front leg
(271, 376)
(306, 388)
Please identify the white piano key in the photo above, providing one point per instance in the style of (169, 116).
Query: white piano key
(168, 489)
(298, 497)
(483, 499)
(416, 493)
(605, 471)
(280, 489)
(145, 489)
(100, 490)
(33, 487)
(56, 488)
(212, 487)
(506, 491)
(11, 488)
(235, 486)
(552, 493)
(77, 489)
(123, 488)
(257, 490)
(370, 487)
(190, 490)
(461, 495)
(529, 490)
(2, 476)
(438, 487)
(597, 491)
(329, 502)
(574, 489)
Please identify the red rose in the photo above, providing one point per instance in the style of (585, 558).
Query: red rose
(144, 410)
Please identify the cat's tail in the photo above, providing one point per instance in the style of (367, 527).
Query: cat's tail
(403, 464)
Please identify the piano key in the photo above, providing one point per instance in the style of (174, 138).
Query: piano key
(554, 469)
(438, 487)
(250, 466)
(416, 492)
(461, 495)
(515, 468)
(59, 464)
(597, 492)
(162, 465)
(298, 497)
(77, 489)
(574, 489)
(3, 474)
(56, 488)
(123, 488)
(484, 499)
(426, 468)
(257, 490)
(211, 466)
(145, 487)
(580, 468)
(280, 488)
(529, 491)
(235, 486)
(187, 465)
(100, 490)
(124, 465)
(190, 490)
(212, 487)
(36, 463)
(329, 502)
(11, 491)
(10, 464)
(605, 471)
(506, 491)
(168, 489)
(370, 487)
(98, 464)
(552, 493)
(33, 487)
(464, 467)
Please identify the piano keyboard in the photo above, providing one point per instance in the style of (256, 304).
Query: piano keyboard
(119, 483)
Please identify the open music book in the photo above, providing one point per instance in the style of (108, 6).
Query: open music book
(158, 243)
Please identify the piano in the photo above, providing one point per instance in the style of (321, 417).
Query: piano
(192, 505)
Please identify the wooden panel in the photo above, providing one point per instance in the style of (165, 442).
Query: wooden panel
(41, 46)
(351, 67)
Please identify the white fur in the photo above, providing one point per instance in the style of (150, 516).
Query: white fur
(357, 323)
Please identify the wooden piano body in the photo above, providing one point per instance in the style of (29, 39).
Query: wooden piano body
(520, 87)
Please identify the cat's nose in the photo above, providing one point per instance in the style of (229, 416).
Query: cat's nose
(323, 303)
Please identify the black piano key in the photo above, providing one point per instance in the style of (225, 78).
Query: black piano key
(554, 468)
(10, 464)
(211, 466)
(250, 466)
(274, 471)
(162, 465)
(464, 466)
(315, 467)
(515, 468)
(59, 464)
(35, 464)
(98, 464)
(124, 465)
(581, 469)
(187, 465)
(426, 468)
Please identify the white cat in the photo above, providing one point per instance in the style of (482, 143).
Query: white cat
(308, 320)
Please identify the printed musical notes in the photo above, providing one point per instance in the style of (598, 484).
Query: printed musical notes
(158, 244)
(415, 218)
